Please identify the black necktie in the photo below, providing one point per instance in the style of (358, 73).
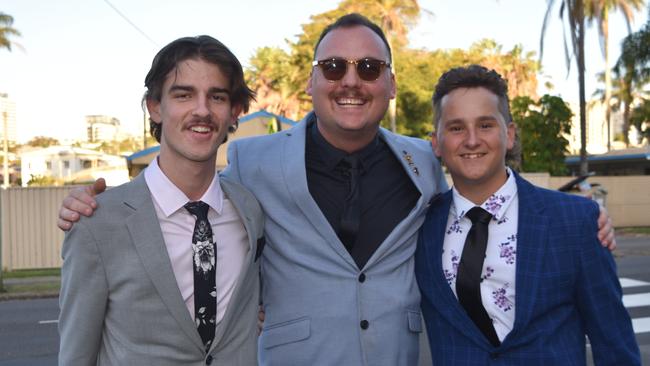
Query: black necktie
(204, 259)
(468, 279)
(351, 214)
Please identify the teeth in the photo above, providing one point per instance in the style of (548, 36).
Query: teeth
(472, 156)
(349, 101)
(200, 129)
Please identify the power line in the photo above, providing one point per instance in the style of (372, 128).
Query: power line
(130, 22)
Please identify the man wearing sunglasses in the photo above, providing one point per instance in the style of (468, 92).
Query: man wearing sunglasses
(344, 200)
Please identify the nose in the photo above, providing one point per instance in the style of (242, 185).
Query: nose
(351, 78)
(472, 138)
(201, 107)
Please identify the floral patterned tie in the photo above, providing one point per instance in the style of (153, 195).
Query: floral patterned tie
(204, 259)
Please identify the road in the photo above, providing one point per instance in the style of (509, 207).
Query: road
(28, 329)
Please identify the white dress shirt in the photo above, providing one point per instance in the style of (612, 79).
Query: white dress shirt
(499, 268)
(177, 226)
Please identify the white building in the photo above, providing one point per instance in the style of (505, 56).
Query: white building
(67, 163)
(102, 128)
(596, 128)
(8, 111)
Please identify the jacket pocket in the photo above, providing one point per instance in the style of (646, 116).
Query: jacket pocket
(285, 332)
(415, 321)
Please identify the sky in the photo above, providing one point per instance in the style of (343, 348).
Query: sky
(81, 57)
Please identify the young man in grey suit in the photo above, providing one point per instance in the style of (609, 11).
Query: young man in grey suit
(344, 200)
(166, 273)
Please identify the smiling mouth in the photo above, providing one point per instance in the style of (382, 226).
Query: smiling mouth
(350, 101)
(200, 129)
(472, 156)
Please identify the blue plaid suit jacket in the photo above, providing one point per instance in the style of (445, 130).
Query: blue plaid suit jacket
(566, 287)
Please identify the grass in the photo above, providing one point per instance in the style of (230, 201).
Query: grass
(41, 287)
(639, 230)
(23, 273)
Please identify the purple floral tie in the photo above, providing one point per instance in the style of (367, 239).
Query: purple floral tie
(204, 259)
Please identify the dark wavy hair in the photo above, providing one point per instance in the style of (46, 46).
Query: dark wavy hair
(200, 47)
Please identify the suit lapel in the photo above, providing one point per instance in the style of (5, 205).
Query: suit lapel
(531, 246)
(295, 177)
(416, 171)
(145, 232)
(443, 297)
(241, 204)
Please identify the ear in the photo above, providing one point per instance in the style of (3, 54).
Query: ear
(511, 132)
(434, 144)
(153, 106)
(393, 86)
(235, 111)
(309, 83)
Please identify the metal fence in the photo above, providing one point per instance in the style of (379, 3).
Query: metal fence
(31, 239)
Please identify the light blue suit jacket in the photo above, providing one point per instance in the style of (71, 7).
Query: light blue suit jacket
(566, 287)
(312, 292)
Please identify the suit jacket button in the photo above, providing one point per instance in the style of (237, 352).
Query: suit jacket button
(362, 277)
(364, 324)
(494, 355)
(208, 360)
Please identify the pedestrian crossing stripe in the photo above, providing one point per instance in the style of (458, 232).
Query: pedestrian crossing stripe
(629, 282)
(640, 325)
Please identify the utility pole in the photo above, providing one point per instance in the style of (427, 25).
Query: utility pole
(5, 164)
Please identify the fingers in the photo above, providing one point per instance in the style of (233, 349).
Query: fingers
(99, 186)
(606, 233)
(79, 200)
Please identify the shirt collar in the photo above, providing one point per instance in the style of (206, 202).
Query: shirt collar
(330, 155)
(170, 198)
(497, 204)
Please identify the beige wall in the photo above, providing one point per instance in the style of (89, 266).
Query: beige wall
(30, 238)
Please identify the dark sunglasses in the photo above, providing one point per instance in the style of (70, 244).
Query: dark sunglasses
(334, 69)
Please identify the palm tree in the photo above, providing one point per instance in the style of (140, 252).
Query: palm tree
(598, 11)
(574, 11)
(6, 30)
(395, 17)
(633, 68)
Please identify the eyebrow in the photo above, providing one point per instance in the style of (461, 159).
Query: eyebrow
(188, 88)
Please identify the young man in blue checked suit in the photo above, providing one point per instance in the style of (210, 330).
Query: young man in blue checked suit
(510, 274)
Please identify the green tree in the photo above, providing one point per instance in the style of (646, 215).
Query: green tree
(542, 126)
(598, 11)
(42, 141)
(574, 11)
(270, 74)
(7, 31)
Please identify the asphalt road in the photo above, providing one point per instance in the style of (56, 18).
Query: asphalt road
(28, 331)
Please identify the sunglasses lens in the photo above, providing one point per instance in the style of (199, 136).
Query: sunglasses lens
(369, 69)
(333, 69)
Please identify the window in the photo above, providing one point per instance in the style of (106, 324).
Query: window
(66, 164)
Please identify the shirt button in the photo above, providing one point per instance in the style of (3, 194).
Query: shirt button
(362, 277)
(208, 360)
(364, 324)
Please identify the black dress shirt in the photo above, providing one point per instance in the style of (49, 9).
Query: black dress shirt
(387, 193)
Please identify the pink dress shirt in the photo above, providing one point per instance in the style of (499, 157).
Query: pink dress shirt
(177, 225)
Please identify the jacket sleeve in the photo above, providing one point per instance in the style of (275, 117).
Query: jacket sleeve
(83, 298)
(599, 299)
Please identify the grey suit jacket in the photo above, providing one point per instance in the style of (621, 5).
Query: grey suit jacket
(320, 308)
(120, 303)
